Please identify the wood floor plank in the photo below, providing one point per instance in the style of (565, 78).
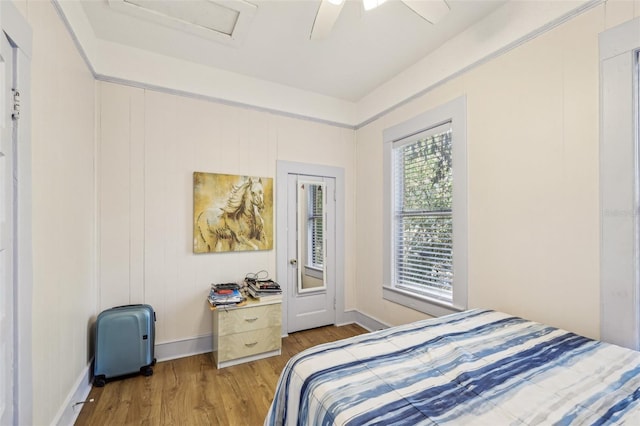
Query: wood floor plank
(192, 391)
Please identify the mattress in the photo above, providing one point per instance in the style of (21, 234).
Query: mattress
(475, 367)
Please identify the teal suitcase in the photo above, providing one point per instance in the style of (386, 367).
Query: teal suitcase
(125, 340)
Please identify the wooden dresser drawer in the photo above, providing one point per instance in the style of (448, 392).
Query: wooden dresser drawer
(248, 318)
(246, 333)
(240, 345)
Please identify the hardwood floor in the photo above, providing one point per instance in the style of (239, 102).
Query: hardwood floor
(191, 391)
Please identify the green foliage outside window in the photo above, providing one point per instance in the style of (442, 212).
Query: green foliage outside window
(424, 221)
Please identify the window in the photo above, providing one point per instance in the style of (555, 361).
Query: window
(422, 223)
(425, 211)
(314, 227)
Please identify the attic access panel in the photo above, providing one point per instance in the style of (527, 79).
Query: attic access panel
(224, 21)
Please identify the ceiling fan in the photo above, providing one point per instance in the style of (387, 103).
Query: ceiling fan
(431, 10)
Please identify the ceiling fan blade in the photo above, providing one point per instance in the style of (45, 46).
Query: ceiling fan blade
(325, 18)
(431, 10)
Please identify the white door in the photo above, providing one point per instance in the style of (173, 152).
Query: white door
(311, 253)
(6, 233)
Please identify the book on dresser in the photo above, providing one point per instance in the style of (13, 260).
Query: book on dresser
(263, 290)
(225, 295)
(263, 296)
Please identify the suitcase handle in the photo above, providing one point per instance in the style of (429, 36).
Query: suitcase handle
(134, 304)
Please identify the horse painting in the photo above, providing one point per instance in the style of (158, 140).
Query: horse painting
(238, 224)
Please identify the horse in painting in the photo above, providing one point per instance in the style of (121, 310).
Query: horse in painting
(238, 225)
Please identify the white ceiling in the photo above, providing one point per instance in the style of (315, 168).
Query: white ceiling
(363, 51)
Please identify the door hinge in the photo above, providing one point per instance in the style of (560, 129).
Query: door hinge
(15, 113)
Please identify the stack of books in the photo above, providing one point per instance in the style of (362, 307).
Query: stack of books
(263, 290)
(225, 295)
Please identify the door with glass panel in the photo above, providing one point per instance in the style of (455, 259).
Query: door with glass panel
(311, 252)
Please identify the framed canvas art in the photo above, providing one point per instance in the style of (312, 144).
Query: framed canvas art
(232, 213)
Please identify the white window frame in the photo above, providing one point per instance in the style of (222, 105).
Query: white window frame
(620, 185)
(454, 112)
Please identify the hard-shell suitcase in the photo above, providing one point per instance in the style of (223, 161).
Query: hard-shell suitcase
(125, 339)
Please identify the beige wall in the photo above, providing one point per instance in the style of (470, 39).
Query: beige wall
(533, 192)
(150, 145)
(64, 289)
(532, 140)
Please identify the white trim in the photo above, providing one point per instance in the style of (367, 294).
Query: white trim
(509, 26)
(426, 305)
(128, 63)
(74, 37)
(619, 186)
(348, 317)
(16, 27)
(166, 351)
(365, 321)
(69, 411)
(218, 100)
(24, 291)
(619, 40)
(454, 111)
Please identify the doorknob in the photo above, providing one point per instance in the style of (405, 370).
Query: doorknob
(294, 262)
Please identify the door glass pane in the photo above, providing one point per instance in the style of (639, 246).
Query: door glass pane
(311, 236)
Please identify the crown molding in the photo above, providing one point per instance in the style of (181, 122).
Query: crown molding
(506, 28)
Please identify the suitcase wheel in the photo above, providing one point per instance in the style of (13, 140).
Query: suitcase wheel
(100, 381)
(146, 371)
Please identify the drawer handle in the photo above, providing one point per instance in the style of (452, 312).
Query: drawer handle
(250, 344)
(251, 319)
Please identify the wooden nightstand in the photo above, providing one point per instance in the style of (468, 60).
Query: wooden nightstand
(246, 333)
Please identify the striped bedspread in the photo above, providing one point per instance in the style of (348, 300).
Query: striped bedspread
(476, 367)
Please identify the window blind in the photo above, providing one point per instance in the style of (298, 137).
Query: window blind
(423, 221)
(316, 227)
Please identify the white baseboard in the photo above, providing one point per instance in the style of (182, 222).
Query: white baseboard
(368, 322)
(347, 317)
(68, 413)
(182, 348)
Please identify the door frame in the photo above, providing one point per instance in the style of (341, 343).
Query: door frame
(283, 170)
(619, 181)
(16, 28)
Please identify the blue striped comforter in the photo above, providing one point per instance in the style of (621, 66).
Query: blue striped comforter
(475, 367)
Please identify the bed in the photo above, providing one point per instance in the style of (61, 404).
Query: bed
(475, 367)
